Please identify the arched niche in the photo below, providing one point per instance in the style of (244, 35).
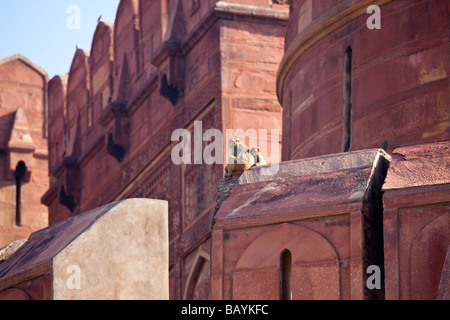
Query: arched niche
(314, 266)
(199, 269)
(428, 252)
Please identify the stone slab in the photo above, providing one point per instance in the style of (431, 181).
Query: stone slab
(116, 252)
(421, 165)
(315, 165)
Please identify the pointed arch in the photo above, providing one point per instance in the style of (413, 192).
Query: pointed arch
(202, 258)
(29, 63)
(427, 257)
(57, 90)
(153, 23)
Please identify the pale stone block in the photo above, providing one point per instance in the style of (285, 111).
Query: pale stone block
(123, 255)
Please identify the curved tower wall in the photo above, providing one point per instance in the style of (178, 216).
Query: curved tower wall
(346, 87)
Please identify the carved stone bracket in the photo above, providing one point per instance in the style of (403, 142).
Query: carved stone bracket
(169, 91)
(69, 191)
(118, 135)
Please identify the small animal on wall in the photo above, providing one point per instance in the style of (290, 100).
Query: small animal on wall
(243, 158)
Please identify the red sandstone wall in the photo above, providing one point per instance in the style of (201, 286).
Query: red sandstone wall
(400, 76)
(248, 68)
(416, 221)
(223, 65)
(22, 85)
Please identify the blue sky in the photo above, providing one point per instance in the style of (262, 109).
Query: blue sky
(38, 29)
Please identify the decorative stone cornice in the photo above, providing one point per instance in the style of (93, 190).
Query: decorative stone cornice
(220, 10)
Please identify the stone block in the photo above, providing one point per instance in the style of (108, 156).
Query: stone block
(116, 252)
(323, 211)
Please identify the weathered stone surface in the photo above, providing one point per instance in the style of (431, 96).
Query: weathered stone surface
(119, 251)
(419, 165)
(337, 179)
(314, 267)
(159, 67)
(399, 76)
(305, 167)
(23, 126)
(416, 221)
(343, 86)
(444, 285)
(320, 209)
(223, 190)
(129, 260)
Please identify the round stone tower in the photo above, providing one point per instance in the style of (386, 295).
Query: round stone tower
(364, 74)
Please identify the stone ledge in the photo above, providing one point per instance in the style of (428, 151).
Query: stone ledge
(419, 166)
(304, 189)
(321, 164)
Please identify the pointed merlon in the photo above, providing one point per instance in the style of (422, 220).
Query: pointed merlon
(20, 138)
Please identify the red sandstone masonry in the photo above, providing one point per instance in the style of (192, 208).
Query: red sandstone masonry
(127, 64)
(416, 221)
(220, 60)
(23, 137)
(317, 209)
(400, 76)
